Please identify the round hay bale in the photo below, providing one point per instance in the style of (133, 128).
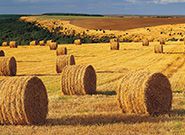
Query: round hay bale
(2, 53)
(24, 101)
(146, 42)
(77, 42)
(4, 44)
(158, 48)
(42, 43)
(162, 41)
(64, 60)
(53, 46)
(13, 44)
(78, 80)
(8, 66)
(48, 42)
(61, 51)
(145, 93)
(114, 44)
(33, 43)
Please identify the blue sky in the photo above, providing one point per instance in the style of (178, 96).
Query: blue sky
(147, 7)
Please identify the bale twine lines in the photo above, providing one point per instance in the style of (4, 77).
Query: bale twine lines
(13, 44)
(77, 42)
(61, 51)
(146, 42)
(8, 66)
(64, 60)
(4, 44)
(114, 44)
(158, 48)
(53, 46)
(144, 93)
(2, 53)
(23, 101)
(78, 80)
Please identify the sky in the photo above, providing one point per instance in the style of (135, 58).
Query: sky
(140, 7)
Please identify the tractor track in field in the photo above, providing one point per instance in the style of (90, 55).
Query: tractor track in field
(174, 66)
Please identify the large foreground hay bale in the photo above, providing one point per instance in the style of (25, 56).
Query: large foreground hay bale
(24, 101)
(145, 93)
(114, 44)
(42, 43)
(4, 44)
(33, 43)
(77, 42)
(61, 51)
(53, 46)
(8, 66)
(158, 48)
(2, 53)
(146, 42)
(13, 44)
(78, 80)
(64, 60)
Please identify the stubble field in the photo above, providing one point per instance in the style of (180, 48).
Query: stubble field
(100, 114)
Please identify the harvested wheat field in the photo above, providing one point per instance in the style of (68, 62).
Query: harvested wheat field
(100, 113)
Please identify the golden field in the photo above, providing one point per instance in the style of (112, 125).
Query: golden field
(100, 114)
(129, 29)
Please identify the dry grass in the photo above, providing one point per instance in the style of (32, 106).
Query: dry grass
(99, 113)
(24, 101)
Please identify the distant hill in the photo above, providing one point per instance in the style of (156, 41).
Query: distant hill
(73, 14)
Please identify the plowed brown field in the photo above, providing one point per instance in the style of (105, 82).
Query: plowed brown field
(123, 23)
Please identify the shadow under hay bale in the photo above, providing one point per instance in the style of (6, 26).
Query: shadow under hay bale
(145, 93)
(13, 44)
(2, 54)
(107, 119)
(24, 101)
(61, 51)
(64, 60)
(158, 48)
(114, 44)
(53, 46)
(8, 66)
(78, 80)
